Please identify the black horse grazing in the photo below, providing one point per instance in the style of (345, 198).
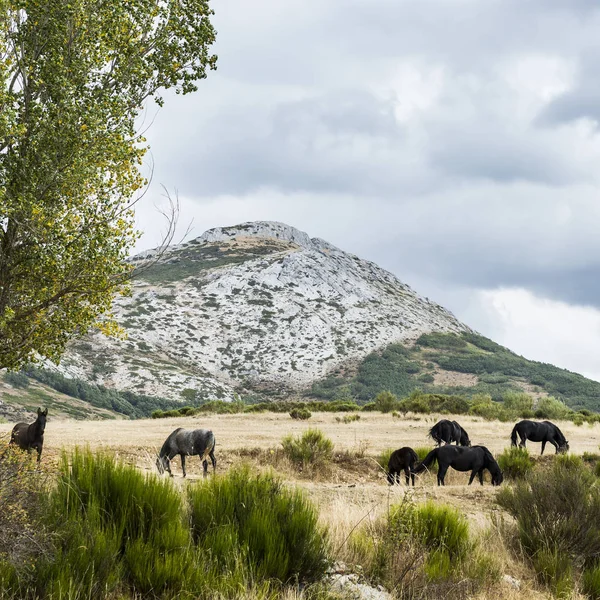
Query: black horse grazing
(475, 459)
(403, 459)
(539, 432)
(187, 442)
(28, 436)
(449, 431)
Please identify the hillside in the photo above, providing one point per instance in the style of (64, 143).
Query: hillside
(261, 310)
(248, 309)
(465, 365)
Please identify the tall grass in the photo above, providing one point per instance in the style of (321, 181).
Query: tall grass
(422, 551)
(116, 533)
(275, 527)
(312, 448)
(515, 462)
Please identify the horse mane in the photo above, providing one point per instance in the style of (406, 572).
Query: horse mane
(165, 447)
(562, 440)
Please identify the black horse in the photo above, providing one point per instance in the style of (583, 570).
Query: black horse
(403, 459)
(28, 436)
(475, 459)
(539, 432)
(187, 442)
(449, 431)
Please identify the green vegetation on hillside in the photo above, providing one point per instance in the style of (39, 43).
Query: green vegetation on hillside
(126, 403)
(498, 371)
(193, 258)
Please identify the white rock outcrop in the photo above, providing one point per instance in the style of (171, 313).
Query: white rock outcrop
(259, 303)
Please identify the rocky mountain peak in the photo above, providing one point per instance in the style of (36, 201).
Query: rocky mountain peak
(254, 305)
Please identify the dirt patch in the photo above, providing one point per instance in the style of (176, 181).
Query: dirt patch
(454, 378)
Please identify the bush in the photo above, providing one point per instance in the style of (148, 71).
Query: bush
(300, 413)
(312, 448)
(515, 463)
(440, 528)
(483, 406)
(385, 402)
(277, 526)
(112, 532)
(551, 408)
(116, 524)
(422, 552)
(558, 519)
(518, 403)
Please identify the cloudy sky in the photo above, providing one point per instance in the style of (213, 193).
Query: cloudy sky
(453, 142)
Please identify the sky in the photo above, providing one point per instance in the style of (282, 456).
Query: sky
(455, 143)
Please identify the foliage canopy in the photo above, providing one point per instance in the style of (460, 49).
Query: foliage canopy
(74, 77)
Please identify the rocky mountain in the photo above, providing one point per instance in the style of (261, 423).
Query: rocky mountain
(259, 306)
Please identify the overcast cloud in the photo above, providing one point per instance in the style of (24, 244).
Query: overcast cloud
(453, 142)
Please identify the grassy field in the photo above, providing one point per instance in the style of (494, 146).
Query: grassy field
(352, 490)
(355, 480)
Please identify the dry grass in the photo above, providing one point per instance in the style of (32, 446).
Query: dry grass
(354, 490)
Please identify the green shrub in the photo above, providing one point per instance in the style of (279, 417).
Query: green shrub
(385, 402)
(518, 403)
(551, 408)
(441, 529)
(300, 413)
(515, 462)
(112, 526)
(277, 526)
(557, 512)
(311, 448)
(483, 406)
(590, 582)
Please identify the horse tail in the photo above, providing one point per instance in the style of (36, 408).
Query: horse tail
(427, 461)
(513, 436)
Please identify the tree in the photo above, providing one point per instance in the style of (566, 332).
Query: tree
(74, 76)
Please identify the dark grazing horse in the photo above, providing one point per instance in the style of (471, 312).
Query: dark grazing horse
(449, 431)
(28, 436)
(475, 459)
(187, 442)
(539, 432)
(403, 459)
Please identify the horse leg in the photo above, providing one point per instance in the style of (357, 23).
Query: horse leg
(473, 473)
(213, 460)
(412, 476)
(555, 445)
(167, 462)
(442, 474)
(407, 475)
(523, 442)
(480, 475)
(543, 447)
(39, 453)
(205, 468)
(183, 463)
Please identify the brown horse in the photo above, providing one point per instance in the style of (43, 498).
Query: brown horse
(28, 436)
